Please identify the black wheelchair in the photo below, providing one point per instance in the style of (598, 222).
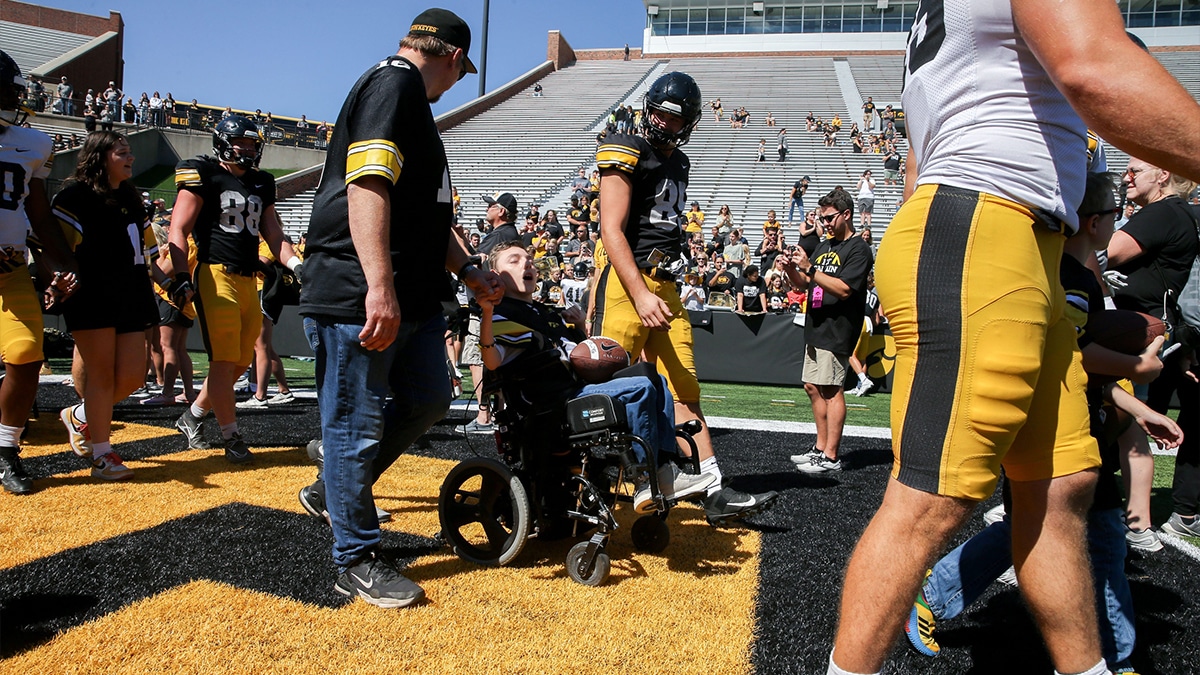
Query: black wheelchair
(558, 474)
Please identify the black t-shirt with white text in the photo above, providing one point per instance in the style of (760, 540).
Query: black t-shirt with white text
(751, 292)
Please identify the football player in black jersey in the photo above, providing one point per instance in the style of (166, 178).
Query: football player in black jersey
(643, 186)
(226, 203)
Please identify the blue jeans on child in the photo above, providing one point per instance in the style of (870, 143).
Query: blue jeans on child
(961, 576)
(649, 408)
(362, 430)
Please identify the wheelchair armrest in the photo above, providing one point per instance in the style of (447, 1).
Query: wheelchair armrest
(689, 428)
(595, 412)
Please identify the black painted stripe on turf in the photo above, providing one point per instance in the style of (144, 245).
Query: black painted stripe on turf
(939, 336)
(598, 316)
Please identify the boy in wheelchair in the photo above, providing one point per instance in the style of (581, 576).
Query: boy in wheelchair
(527, 342)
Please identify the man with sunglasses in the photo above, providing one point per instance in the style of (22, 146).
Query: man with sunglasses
(379, 244)
(837, 294)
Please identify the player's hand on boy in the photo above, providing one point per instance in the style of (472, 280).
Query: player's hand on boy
(484, 285)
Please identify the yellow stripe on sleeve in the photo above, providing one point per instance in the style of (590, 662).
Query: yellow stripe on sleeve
(619, 157)
(376, 157)
(187, 177)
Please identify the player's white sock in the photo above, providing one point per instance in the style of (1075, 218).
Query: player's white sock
(1098, 669)
(80, 413)
(101, 449)
(10, 437)
(198, 412)
(228, 430)
(862, 378)
(709, 466)
(834, 670)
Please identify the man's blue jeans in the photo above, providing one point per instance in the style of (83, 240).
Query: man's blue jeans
(362, 430)
(649, 408)
(961, 576)
(796, 202)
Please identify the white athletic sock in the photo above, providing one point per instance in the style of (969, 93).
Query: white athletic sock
(198, 412)
(1098, 669)
(862, 378)
(10, 437)
(228, 430)
(101, 449)
(80, 413)
(834, 670)
(710, 466)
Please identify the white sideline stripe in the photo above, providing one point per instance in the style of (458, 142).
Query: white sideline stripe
(1184, 547)
(774, 426)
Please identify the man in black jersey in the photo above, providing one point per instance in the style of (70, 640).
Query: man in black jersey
(226, 203)
(379, 245)
(643, 181)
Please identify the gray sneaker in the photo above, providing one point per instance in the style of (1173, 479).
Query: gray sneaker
(193, 430)
(474, 427)
(1176, 525)
(236, 451)
(808, 457)
(821, 464)
(1142, 540)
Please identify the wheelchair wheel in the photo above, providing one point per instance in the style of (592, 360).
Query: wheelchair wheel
(650, 533)
(484, 512)
(599, 572)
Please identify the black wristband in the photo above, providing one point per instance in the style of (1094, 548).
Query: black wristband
(462, 271)
(812, 269)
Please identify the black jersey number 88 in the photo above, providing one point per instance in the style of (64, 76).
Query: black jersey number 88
(239, 212)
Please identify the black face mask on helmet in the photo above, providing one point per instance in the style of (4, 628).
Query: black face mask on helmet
(678, 94)
(12, 90)
(234, 127)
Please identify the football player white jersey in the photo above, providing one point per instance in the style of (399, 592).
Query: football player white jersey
(983, 114)
(25, 154)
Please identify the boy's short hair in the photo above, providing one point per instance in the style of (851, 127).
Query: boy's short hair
(838, 199)
(1097, 192)
(500, 248)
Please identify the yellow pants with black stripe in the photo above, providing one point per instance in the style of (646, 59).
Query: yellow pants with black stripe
(671, 350)
(20, 318)
(988, 371)
(229, 312)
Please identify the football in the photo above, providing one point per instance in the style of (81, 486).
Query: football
(596, 359)
(1124, 331)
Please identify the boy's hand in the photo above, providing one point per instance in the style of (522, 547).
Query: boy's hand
(485, 285)
(1149, 365)
(573, 315)
(1165, 432)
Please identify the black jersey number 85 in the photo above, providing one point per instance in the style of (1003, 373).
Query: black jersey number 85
(239, 212)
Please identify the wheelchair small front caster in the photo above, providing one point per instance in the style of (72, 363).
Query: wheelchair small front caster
(650, 534)
(580, 570)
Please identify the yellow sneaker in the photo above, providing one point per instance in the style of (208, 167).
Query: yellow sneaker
(77, 432)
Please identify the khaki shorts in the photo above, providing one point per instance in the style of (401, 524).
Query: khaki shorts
(471, 355)
(824, 368)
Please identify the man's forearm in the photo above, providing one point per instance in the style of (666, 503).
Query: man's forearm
(369, 207)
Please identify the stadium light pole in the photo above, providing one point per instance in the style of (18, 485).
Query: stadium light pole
(483, 53)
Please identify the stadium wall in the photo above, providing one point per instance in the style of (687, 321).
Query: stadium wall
(779, 43)
(99, 61)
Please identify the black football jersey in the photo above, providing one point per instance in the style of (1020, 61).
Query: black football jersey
(659, 193)
(226, 231)
(385, 129)
(111, 238)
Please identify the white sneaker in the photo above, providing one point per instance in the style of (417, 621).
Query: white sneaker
(1142, 540)
(993, 515)
(821, 464)
(1009, 578)
(281, 398)
(252, 403)
(673, 483)
(864, 387)
(808, 457)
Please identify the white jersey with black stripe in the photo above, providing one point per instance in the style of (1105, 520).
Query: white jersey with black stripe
(25, 154)
(983, 114)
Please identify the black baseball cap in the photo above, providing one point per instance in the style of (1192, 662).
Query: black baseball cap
(446, 26)
(504, 199)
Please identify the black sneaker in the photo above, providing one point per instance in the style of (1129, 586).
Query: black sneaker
(727, 504)
(193, 430)
(236, 451)
(12, 473)
(312, 498)
(375, 579)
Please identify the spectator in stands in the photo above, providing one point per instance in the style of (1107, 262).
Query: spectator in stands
(579, 247)
(322, 135)
(594, 188)
(156, 114)
(226, 112)
(553, 227)
(889, 132)
(837, 285)
(555, 256)
(579, 186)
(891, 167)
(721, 278)
(796, 197)
(776, 295)
(537, 90)
(856, 144)
(89, 119)
(112, 97)
(692, 294)
(168, 109)
(717, 241)
(107, 117)
(854, 131)
(532, 214)
(771, 225)
(579, 214)
(66, 99)
(210, 119)
(143, 118)
(749, 291)
(777, 268)
(736, 252)
(90, 99)
(693, 219)
(768, 249)
(76, 141)
(865, 233)
(1127, 213)
(836, 122)
(810, 122)
(868, 108)
(769, 120)
(724, 220)
(473, 240)
(718, 111)
(866, 197)
(781, 146)
(830, 136)
(130, 111)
